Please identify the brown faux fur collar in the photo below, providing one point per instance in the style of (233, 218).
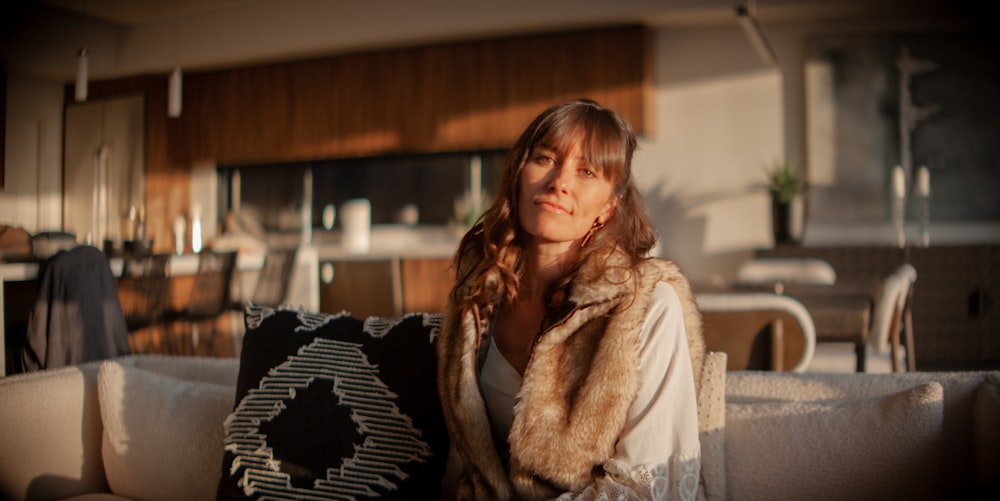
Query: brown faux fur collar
(576, 391)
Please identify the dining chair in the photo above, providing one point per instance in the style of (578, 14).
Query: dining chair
(776, 271)
(275, 276)
(892, 317)
(732, 321)
(210, 298)
(142, 292)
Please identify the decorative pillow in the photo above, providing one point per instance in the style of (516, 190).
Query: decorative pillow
(162, 435)
(712, 426)
(871, 448)
(987, 436)
(330, 406)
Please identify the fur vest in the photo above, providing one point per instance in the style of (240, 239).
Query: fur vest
(576, 391)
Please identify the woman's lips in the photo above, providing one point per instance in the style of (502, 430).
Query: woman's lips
(552, 206)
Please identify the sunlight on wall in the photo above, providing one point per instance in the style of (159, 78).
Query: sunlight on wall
(821, 123)
(18, 203)
(700, 172)
(32, 195)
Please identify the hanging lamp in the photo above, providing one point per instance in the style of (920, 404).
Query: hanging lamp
(175, 89)
(81, 75)
(746, 15)
(175, 93)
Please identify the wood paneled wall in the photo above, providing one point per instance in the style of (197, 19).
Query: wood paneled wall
(445, 97)
(449, 97)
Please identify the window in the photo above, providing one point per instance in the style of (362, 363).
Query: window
(436, 188)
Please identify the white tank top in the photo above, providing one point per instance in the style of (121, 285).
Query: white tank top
(500, 383)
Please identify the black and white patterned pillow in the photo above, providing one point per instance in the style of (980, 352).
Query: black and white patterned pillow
(335, 407)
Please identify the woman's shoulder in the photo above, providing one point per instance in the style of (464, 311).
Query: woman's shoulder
(658, 269)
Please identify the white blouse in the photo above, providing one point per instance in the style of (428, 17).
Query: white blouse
(658, 453)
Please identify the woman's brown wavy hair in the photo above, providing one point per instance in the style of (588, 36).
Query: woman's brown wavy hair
(490, 258)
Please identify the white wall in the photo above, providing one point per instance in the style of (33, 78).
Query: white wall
(718, 124)
(32, 193)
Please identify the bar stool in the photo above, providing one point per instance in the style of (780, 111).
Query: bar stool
(142, 292)
(209, 300)
(275, 275)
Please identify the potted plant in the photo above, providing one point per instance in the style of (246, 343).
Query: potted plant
(785, 185)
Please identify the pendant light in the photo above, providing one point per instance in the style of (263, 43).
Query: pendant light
(746, 15)
(174, 93)
(81, 75)
(175, 84)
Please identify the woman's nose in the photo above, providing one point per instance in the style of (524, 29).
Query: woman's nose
(560, 179)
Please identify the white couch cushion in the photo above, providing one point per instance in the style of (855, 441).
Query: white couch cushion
(958, 465)
(712, 426)
(987, 430)
(884, 447)
(190, 368)
(162, 435)
(51, 430)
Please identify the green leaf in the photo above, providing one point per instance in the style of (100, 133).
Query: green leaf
(784, 182)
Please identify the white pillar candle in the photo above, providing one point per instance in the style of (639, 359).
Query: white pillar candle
(196, 236)
(180, 226)
(355, 222)
(898, 182)
(924, 182)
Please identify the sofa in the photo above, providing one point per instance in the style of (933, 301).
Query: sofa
(158, 427)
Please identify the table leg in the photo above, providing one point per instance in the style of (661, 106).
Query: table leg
(777, 345)
(860, 351)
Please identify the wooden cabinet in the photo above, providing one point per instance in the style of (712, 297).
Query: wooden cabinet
(426, 283)
(390, 286)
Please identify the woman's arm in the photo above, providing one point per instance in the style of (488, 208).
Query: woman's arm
(658, 455)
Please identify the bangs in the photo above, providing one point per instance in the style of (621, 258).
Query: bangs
(603, 145)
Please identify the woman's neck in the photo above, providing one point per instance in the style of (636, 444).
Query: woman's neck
(545, 265)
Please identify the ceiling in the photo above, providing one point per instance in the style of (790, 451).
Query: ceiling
(129, 37)
(136, 12)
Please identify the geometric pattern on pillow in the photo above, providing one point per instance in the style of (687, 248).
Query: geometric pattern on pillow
(334, 407)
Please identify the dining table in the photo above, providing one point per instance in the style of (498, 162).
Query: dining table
(842, 311)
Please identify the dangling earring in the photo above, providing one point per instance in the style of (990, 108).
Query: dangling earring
(596, 226)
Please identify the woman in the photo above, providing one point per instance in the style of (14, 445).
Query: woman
(564, 367)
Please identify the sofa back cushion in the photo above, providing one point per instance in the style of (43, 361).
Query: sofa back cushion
(958, 466)
(712, 426)
(987, 429)
(867, 448)
(189, 368)
(162, 434)
(336, 405)
(50, 445)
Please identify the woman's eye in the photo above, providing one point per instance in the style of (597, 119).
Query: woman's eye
(588, 173)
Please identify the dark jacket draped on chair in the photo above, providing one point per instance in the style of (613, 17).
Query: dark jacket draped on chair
(77, 317)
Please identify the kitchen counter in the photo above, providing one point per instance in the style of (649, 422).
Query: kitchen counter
(303, 289)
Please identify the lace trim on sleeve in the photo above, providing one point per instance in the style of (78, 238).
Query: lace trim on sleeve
(675, 480)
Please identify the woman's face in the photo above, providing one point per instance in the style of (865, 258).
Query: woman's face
(561, 195)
